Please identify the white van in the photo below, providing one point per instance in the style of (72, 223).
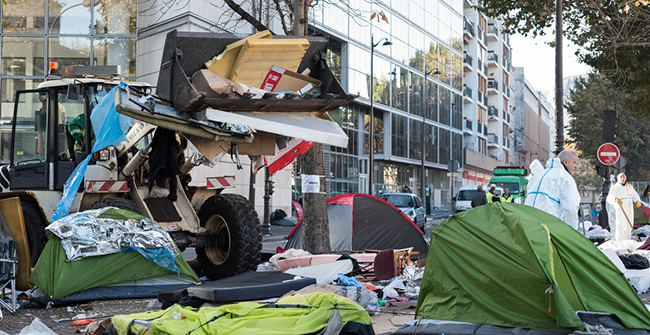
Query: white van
(463, 200)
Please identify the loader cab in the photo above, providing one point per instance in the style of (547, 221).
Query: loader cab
(44, 152)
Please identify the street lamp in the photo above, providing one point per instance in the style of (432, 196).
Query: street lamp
(437, 72)
(371, 143)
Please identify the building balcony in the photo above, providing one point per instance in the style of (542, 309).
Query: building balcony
(506, 142)
(468, 29)
(493, 140)
(493, 113)
(467, 62)
(482, 38)
(468, 126)
(492, 86)
(492, 32)
(467, 94)
(481, 129)
(480, 96)
(493, 59)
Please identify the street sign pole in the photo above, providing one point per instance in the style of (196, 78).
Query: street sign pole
(608, 154)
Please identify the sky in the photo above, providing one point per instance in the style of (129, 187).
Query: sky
(538, 60)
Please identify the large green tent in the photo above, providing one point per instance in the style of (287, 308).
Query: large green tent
(512, 265)
(59, 278)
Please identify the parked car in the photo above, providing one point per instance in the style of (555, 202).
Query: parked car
(409, 204)
(463, 200)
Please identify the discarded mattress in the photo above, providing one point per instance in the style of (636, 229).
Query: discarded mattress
(249, 286)
(132, 289)
(296, 314)
(323, 273)
(289, 263)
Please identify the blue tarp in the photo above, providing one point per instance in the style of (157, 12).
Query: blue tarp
(110, 129)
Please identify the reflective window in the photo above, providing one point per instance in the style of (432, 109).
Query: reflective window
(31, 128)
(445, 102)
(23, 56)
(115, 17)
(69, 17)
(335, 18)
(416, 90)
(457, 147)
(9, 88)
(69, 51)
(443, 138)
(431, 144)
(116, 51)
(379, 132)
(457, 111)
(415, 139)
(398, 136)
(432, 101)
(400, 88)
(23, 16)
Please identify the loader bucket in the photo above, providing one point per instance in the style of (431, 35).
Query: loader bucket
(185, 53)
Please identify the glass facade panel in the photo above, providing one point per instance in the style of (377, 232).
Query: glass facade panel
(432, 101)
(68, 51)
(9, 88)
(444, 140)
(400, 88)
(431, 145)
(379, 132)
(457, 111)
(415, 95)
(457, 143)
(445, 102)
(69, 17)
(23, 56)
(115, 17)
(23, 16)
(399, 133)
(415, 139)
(116, 51)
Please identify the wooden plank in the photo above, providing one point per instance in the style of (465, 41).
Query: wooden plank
(222, 63)
(12, 213)
(256, 58)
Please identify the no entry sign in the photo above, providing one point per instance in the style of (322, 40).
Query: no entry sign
(608, 154)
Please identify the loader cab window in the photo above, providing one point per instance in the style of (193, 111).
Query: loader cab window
(71, 127)
(30, 134)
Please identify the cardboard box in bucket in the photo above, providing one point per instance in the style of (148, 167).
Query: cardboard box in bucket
(282, 80)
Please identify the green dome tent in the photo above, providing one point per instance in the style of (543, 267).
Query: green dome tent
(512, 265)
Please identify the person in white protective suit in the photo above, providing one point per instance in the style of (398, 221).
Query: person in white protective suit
(620, 202)
(554, 191)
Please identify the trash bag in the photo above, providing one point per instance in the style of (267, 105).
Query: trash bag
(278, 214)
(634, 261)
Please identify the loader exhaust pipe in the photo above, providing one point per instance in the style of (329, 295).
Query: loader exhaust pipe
(133, 164)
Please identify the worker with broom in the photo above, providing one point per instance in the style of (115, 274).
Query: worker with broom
(620, 205)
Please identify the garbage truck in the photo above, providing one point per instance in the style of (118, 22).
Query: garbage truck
(52, 133)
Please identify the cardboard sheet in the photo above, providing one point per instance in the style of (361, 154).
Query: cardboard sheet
(256, 57)
(12, 212)
(222, 63)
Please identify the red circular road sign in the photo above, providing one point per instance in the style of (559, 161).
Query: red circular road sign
(608, 154)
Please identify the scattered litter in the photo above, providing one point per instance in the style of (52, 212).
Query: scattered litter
(97, 327)
(324, 273)
(266, 267)
(349, 281)
(291, 253)
(154, 303)
(37, 327)
(69, 309)
(82, 322)
(362, 296)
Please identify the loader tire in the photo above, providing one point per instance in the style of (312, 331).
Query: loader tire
(35, 227)
(120, 203)
(239, 240)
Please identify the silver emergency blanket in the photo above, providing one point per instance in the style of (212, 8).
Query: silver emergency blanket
(83, 234)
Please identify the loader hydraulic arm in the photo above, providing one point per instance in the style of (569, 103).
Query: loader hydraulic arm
(138, 131)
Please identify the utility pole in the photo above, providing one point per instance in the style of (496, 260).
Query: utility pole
(316, 233)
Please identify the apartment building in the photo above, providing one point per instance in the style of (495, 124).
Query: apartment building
(487, 95)
(534, 123)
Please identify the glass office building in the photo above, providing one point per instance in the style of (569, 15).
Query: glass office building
(77, 32)
(426, 38)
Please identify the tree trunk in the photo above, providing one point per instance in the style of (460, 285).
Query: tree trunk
(316, 233)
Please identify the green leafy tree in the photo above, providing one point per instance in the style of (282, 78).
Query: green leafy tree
(590, 97)
(586, 178)
(614, 37)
